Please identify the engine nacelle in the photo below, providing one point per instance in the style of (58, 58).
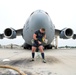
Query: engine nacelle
(66, 33)
(10, 33)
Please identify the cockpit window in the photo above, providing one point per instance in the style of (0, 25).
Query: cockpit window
(31, 13)
(46, 13)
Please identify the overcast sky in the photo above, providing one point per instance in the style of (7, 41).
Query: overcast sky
(14, 13)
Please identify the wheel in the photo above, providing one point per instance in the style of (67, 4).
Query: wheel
(27, 46)
(48, 47)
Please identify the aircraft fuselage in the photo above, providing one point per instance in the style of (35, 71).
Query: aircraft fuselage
(38, 19)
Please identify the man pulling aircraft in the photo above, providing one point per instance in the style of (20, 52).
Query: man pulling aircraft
(38, 37)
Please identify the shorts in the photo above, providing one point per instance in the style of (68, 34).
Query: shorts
(36, 44)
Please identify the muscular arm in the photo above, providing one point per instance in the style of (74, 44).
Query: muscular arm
(34, 36)
(45, 36)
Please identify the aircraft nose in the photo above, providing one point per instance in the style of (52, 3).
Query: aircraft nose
(39, 19)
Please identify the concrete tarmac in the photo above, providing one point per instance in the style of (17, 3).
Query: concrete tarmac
(59, 62)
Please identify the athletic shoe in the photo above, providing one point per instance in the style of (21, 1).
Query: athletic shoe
(32, 60)
(44, 61)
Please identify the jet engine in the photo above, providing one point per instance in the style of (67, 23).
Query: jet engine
(66, 33)
(10, 33)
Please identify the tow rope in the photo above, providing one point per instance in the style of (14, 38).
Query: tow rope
(13, 68)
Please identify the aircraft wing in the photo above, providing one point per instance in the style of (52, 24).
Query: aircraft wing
(11, 33)
(19, 32)
(65, 33)
(57, 32)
